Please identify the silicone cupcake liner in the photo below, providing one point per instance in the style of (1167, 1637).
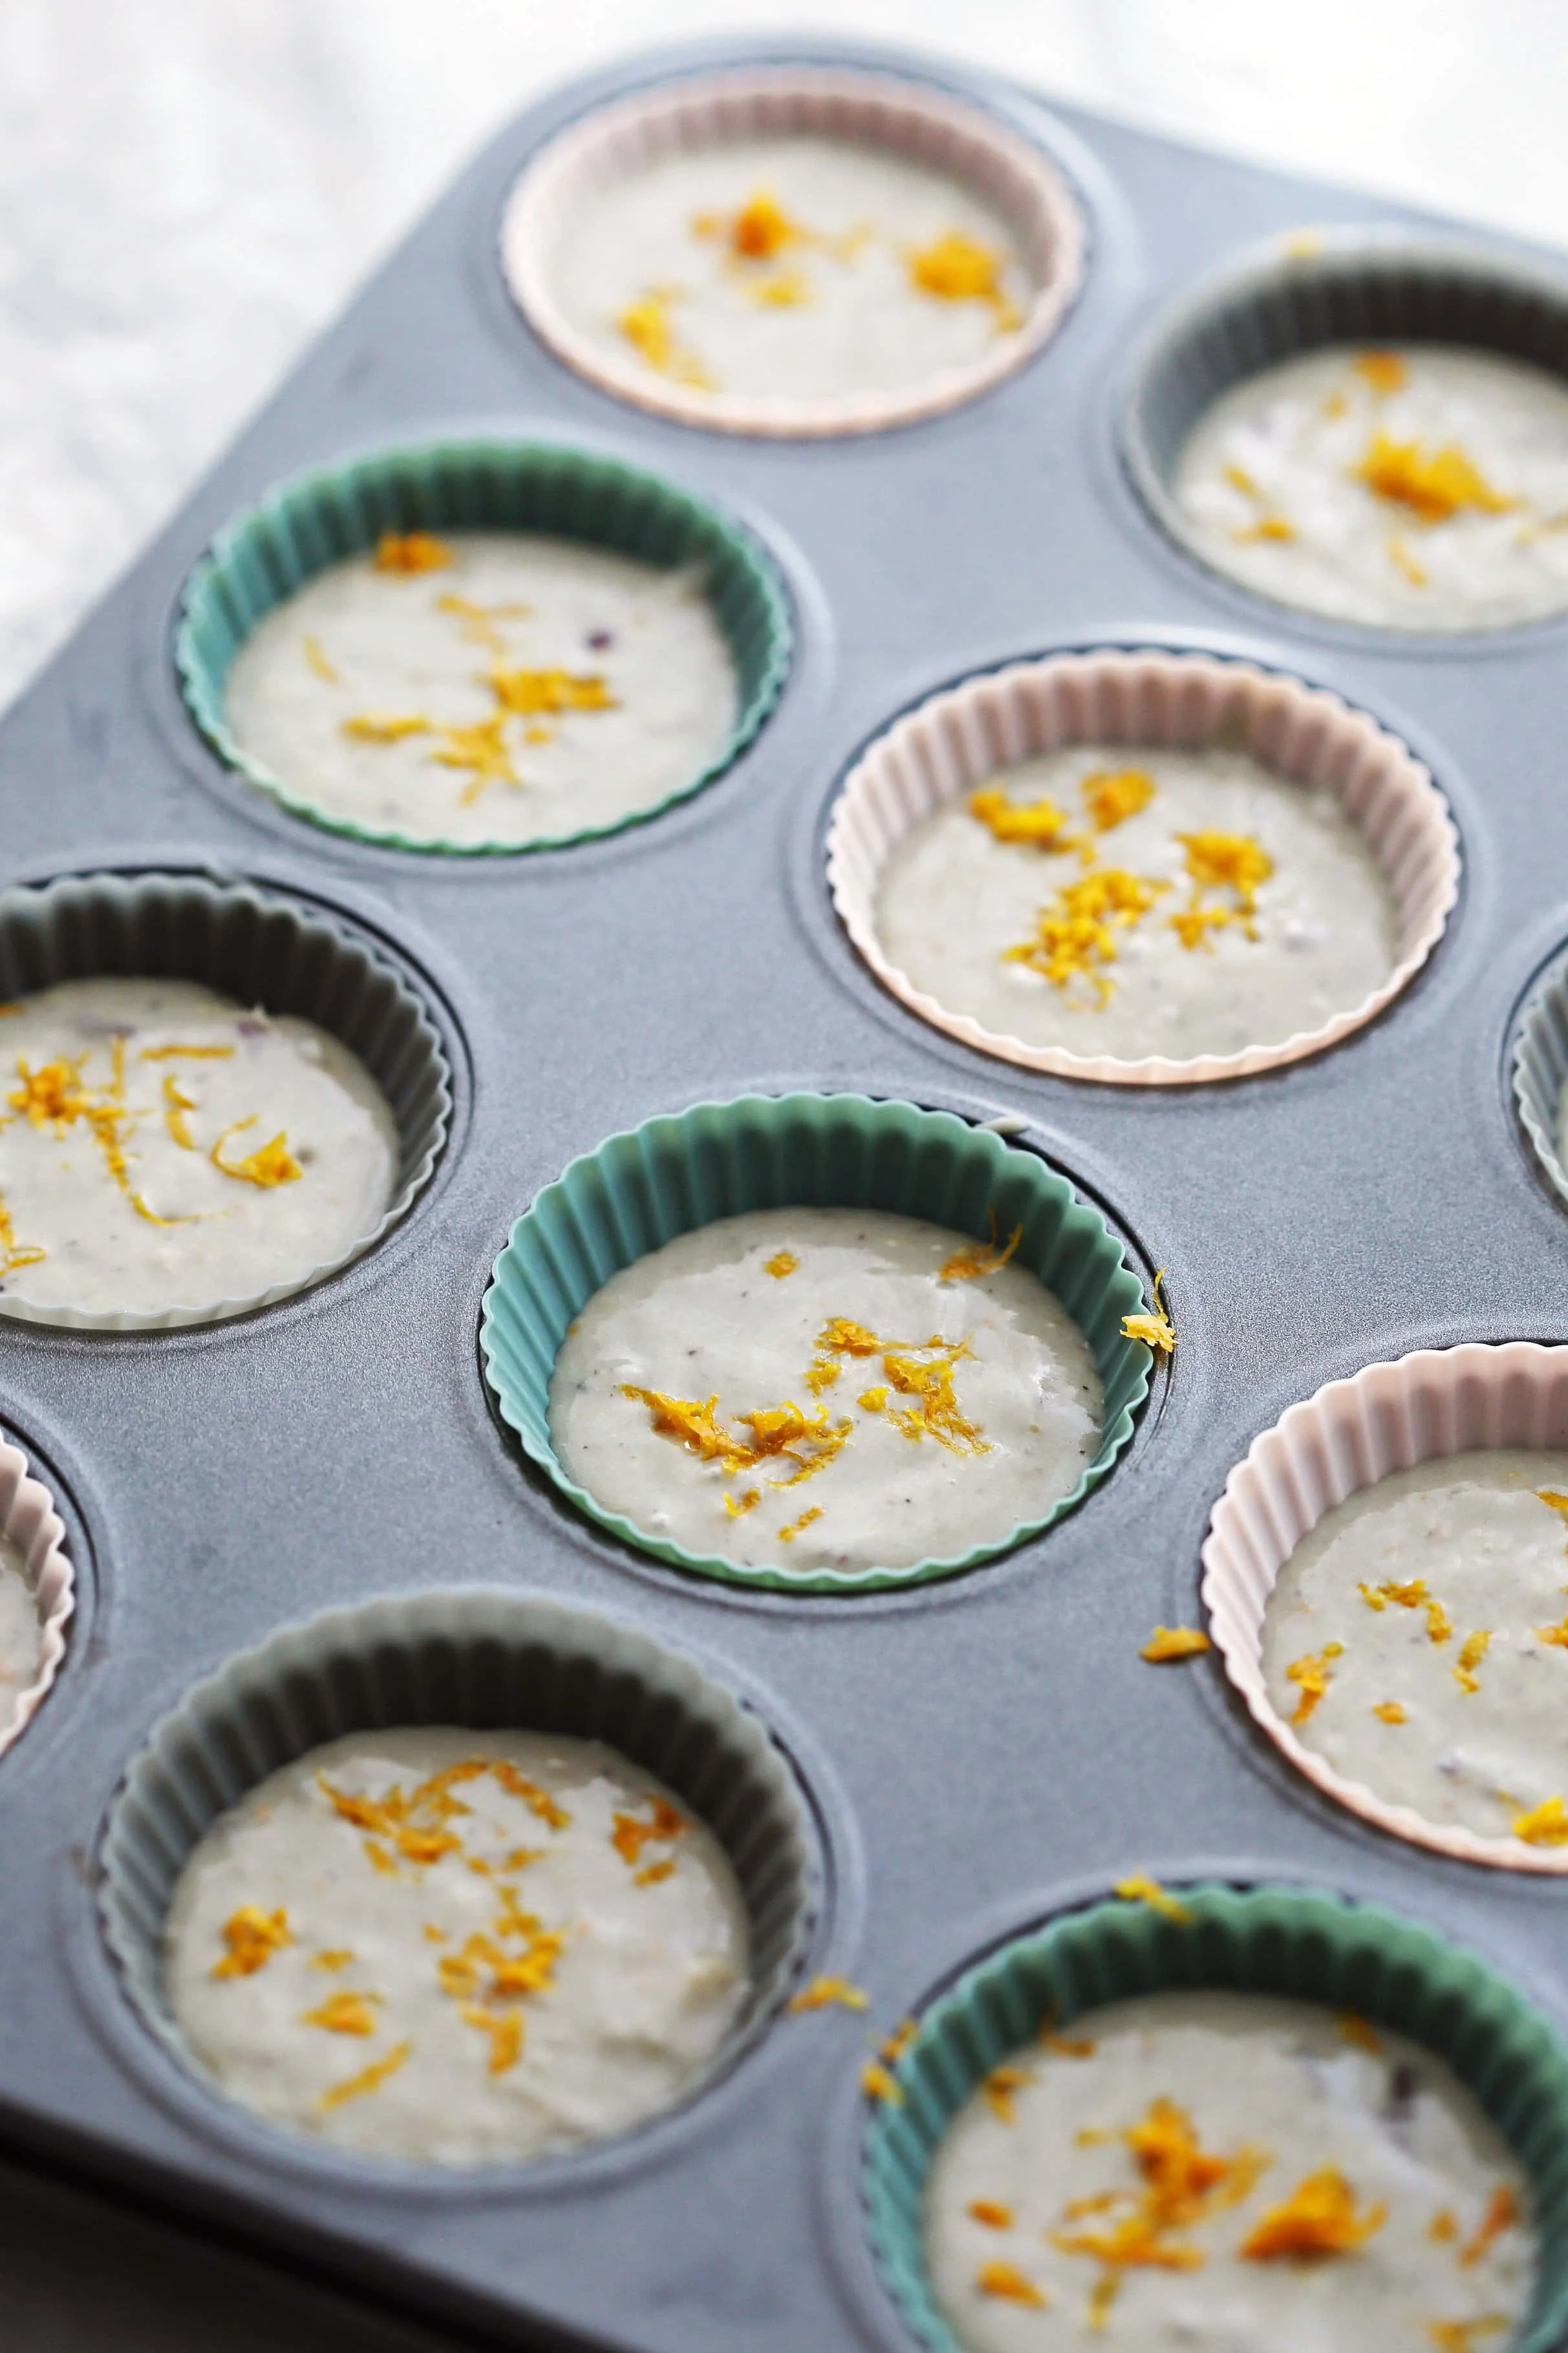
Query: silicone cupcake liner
(261, 950)
(486, 1659)
(1300, 1944)
(858, 109)
(639, 1191)
(1345, 286)
(1159, 701)
(28, 1520)
(1541, 1071)
(269, 552)
(1438, 1402)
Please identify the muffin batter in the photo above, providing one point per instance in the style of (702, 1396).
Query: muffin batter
(826, 1389)
(485, 687)
(21, 1636)
(1419, 488)
(162, 1147)
(1417, 1638)
(1230, 2171)
(457, 1947)
(1134, 901)
(799, 268)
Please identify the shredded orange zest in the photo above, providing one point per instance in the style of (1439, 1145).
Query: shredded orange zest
(1360, 2030)
(786, 290)
(370, 2079)
(14, 1254)
(1412, 1595)
(693, 1425)
(1554, 1637)
(252, 1937)
(1111, 795)
(1000, 2087)
(1169, 1643)
(1501, 2215)
(344, 2013)
(371, 727)
(538, 1801)
(176, 1105)
(318, 662)
(994, 2216)
(1069, 2046)
(920, 1370)
(480, 621)
(824, 1992)
(762, 229)
(337, 1957)
(1384, 371)
(1318, 2220)
(1553, 1501)
(187, 1053)
(781, 1263)
(1182, 2182)
(480, 753)
(957, 268)
(977, 1258)
(1140, 1889)
(872, 1400)
(629, 1836)
(505, 2030)
(271, 1164)
(737, 1506)
(1268, 526)
(1221, 862)
(1107, 2288)
(1440, 1625)
(878, 2085)
(1401, 558)
(646, 326)
(1388, 1711)
(1005, 2280)
(798, 1528)
(1038, 825)
(1075, 936)
(895, 2045)
(1156, 1330)
(1470, 1656)
(529, 691)
(1460, 2335)
(1312, 1675)
(1240, 479)
(654, 1871)
(1444, 2226)
(411, 551)
(379, 1859)
(1432, 486)
(54, 1096)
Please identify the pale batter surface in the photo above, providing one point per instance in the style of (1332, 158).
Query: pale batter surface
(1420, 488)
(457, 1947)
(21, 1636)
(799, 269)
(826, 1389)
(504, 687)
(1230, 2172)
(1417, 1638)
(161, 1146)
(1227, 908)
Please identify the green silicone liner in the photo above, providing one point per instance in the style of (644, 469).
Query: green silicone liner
(301, 526)
(1301, 1943)
(640, 1190)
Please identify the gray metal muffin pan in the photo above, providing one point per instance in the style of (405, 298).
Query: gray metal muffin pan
(977, 1753)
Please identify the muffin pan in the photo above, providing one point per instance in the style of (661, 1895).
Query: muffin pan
(964, 1763)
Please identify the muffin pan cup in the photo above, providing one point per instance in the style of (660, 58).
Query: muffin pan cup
(259, 948)
(972, 1752)
(1353, 1433)
(488, 1660)
(1302, 1945)
(1358, 285)
(1153, 702)
(901, 118)
(265, 556)
(28, 1520)
(638, 1192)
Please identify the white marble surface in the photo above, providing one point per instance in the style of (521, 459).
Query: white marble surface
(188, 189)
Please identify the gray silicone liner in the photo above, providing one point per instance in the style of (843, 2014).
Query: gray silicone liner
(261, 949)
(482, 1659)
(1349, 286)
(1540, 1072)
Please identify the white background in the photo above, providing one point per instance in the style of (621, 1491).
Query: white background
(189, 189)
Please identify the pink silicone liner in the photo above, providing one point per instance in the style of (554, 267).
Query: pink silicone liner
(1438, 1402)
(862, 110)
(28, 1518)
(1160, 702)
